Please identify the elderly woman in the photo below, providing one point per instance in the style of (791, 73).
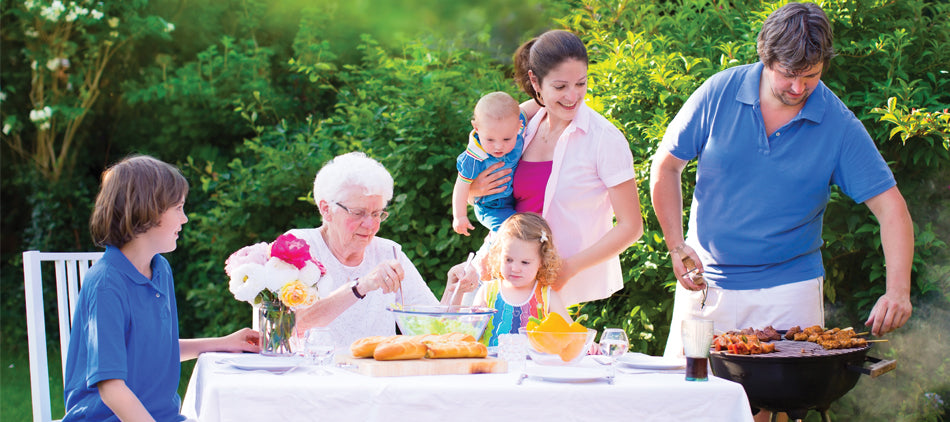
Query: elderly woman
(366, 272)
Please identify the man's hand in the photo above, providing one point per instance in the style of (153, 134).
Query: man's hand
(689, 278)
(889, 313)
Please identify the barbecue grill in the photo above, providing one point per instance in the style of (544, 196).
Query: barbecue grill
(798, 376)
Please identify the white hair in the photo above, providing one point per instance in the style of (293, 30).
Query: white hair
(352, 174)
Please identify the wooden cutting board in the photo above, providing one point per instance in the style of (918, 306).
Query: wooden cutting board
(397, 368)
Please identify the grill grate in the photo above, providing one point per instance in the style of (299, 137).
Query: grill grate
(792, 349)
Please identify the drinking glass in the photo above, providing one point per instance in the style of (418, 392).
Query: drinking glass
(318, 346)
(613, 343)
(697, 337)
(513, 348)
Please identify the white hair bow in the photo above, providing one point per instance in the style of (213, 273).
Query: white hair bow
(544, 236)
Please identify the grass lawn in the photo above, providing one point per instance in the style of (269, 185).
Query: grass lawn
(15, 399)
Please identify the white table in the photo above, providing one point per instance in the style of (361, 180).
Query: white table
(217, 392)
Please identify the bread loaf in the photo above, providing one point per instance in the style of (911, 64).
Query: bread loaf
(425, 338)
(400, 348)
(455, 349)
(364, 347)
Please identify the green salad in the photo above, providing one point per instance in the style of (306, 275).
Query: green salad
(418, 325)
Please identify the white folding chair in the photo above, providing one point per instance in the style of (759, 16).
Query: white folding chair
(70, 271)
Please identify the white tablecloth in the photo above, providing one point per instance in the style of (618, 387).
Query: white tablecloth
(217, 392)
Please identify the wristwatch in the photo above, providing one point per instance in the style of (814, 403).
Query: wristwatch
(356, 291)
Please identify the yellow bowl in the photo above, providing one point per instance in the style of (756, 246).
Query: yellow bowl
(558, 348)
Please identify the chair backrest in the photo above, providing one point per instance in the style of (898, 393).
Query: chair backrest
(70, 271)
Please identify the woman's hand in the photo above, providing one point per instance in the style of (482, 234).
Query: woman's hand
(387, 277)
(689, 278)
(568, 271)
(489, 182)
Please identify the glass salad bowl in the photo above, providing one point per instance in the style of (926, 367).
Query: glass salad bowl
(441, 319)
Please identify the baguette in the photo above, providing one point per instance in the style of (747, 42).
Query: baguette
(426, 338)
(455, 349)
(364, 347)
(400, 348)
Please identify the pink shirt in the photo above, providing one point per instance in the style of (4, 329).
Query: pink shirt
(591, 155)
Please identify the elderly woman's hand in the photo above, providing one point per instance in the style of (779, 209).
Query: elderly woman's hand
(387, 277)
(462, 279)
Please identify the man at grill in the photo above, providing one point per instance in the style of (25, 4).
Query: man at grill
(770, 139)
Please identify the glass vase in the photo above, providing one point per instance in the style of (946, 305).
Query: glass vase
(278, 327)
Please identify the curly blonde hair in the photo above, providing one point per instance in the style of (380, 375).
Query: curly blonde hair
(526, 226)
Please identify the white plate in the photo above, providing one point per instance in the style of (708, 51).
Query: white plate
(566, 373)
(641, 361)
(251, 362)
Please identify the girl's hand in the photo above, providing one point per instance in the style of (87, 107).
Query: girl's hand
(489, 182)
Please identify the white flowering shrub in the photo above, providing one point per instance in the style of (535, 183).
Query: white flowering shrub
(69, 46)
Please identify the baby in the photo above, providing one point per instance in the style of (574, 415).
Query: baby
(498, 136)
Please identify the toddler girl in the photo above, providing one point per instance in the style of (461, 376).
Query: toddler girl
(522, 263)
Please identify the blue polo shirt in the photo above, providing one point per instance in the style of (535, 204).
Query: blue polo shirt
(757, 209)
(125, 327)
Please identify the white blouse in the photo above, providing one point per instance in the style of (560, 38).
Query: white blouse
(368, 316)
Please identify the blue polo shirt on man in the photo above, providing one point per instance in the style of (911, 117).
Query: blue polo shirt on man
(125, 327)
(757, 209)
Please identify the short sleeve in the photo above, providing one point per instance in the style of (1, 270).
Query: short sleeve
(861, 172)
(614, 160)
(106, 337)
(468, 167)
(688, 131)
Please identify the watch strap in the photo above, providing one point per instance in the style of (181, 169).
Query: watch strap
(356, 291)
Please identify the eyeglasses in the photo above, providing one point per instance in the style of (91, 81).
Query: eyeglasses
(361, 214)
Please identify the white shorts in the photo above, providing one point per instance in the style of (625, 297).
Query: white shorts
(782, 307)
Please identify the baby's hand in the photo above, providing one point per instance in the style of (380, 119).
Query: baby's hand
(462, 225)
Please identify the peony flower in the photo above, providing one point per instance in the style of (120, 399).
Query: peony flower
(291, 249)
(279, 273)
(257, 254)
(247, 281)
(297, 294)
(310, 274)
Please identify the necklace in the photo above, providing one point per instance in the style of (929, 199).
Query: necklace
(547, 133)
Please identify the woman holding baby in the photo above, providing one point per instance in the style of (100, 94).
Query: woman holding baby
(576, 170)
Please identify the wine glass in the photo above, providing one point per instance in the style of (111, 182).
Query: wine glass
(613, 343)
(318, 346)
